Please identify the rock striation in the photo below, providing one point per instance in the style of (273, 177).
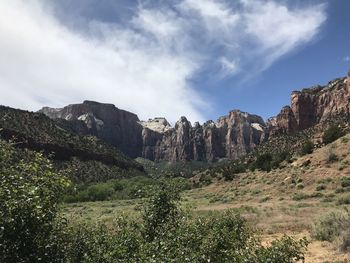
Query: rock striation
(312, 106)
(231, 136)
(117, 127)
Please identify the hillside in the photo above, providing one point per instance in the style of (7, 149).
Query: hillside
(38, 132)
(288, 199)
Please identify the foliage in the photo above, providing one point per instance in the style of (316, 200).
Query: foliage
(334, 227)
(31, 231)
(345, 181)
(29, 194)
(332, 133)
(168, 234)
(39, 133)
(120, 189)
(306, 148)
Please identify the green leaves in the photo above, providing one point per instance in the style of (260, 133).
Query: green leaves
(29, 193)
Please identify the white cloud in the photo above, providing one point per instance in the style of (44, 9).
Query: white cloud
(145, 64)
(42, 62)
(278, 30)
(346, 59)
(228, 67)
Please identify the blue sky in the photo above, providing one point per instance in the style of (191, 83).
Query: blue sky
(198, 58)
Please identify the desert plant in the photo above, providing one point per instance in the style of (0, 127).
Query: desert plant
(332, 133)
(307, 147)
(333, 227)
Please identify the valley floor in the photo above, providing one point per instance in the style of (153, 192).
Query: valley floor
(286, 200)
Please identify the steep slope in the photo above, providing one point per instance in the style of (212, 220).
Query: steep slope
(117, 127)
(313, 106)
(38, 132)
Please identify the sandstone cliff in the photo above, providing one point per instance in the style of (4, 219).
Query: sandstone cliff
(117, 127)
(312, 106)
(231, 136)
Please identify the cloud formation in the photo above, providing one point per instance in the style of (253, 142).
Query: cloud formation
(145, 64)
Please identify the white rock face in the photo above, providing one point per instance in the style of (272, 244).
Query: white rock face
(257, 126)
(160, 125)
(91, 120)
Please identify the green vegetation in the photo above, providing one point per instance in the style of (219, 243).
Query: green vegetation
(29, 193)
(334, 227)
(32, 231)
(38, 132)
(345, 181)
(307, 148)
(121, 189)
(332, 133)
(268, 161)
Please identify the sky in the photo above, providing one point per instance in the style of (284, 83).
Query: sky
(156, 58)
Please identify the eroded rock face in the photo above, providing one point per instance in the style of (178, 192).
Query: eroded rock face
(231, 136)
(118, 127)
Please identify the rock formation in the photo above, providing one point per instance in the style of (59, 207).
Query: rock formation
(231, 136)
(117, 127)
(312, 106)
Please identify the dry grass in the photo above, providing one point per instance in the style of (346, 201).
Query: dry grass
(283, 201)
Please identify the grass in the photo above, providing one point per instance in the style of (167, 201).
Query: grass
(272, 202)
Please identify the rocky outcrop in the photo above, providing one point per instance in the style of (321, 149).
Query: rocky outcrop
(312, 106)
(117, 127)
(231, 136)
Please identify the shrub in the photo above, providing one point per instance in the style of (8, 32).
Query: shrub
(320, 187)
(29, 194)
(345, 181)
(332, 133)
(300, 186)
(263, 162)
(344, 200)
(306, 148)
(333, 227)
(30, 230)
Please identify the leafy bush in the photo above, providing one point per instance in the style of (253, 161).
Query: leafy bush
(333, 227)
(168, 234)
(30, 230)
(29, 194)
(268, 161)
(320, 187)
(345, 181)
(306, 148)
(332, 133)
(136, 187)
(263, 162)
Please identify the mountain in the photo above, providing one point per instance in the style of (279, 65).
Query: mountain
(36, 131)
(231, 136)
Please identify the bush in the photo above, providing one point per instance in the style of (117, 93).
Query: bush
(307, 148)
(320, 187)
(29, 194)
(332, 133)
(30, 230)
(345, 181)
(344, 200)
(167, 234)
(333, 227)
(263, 162)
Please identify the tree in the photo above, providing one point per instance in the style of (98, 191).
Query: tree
(307, 147)
(29, 195)
(332, 133)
